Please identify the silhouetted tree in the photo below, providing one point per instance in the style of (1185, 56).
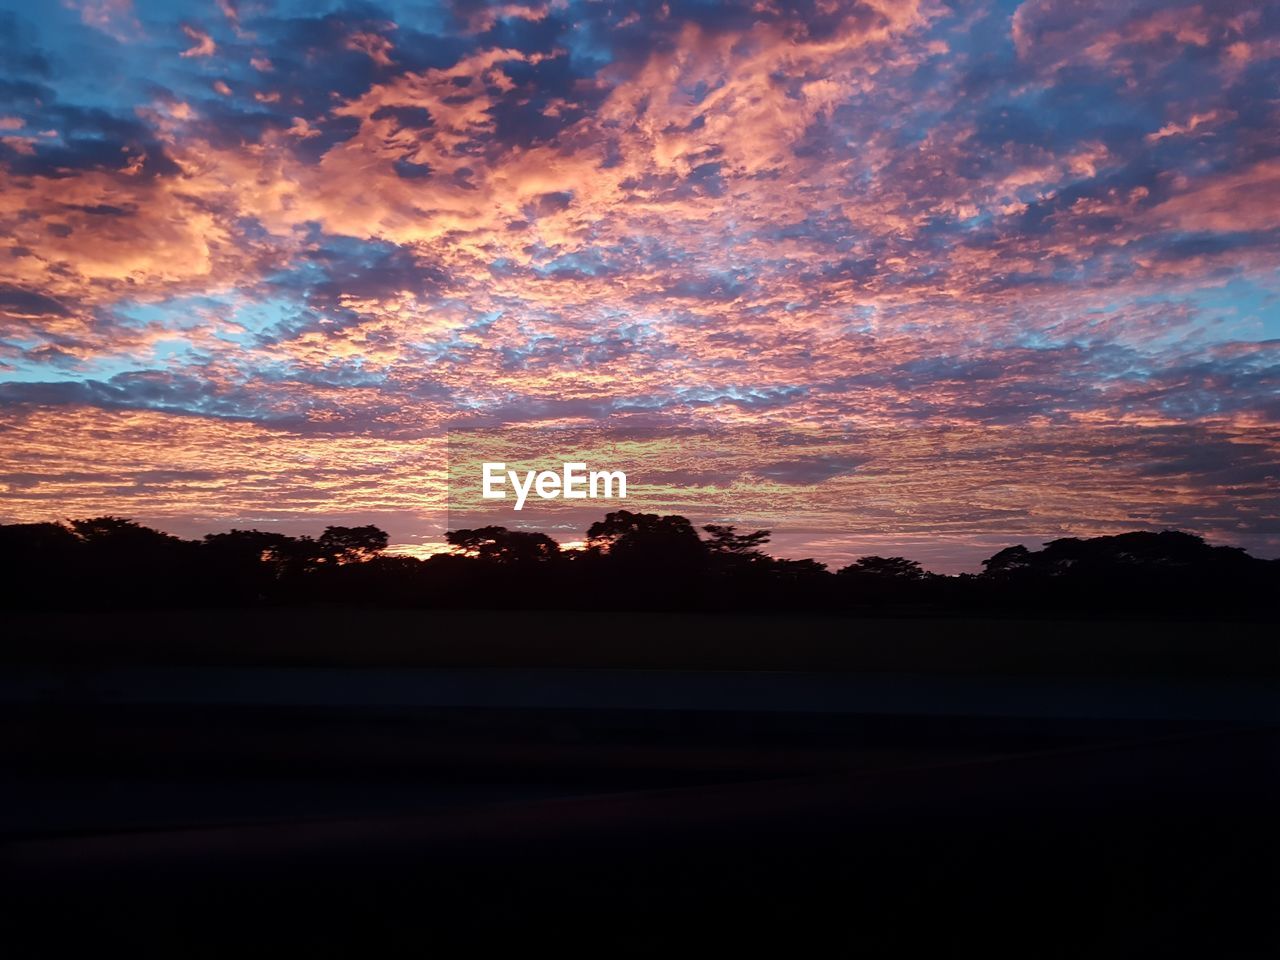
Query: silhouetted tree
(888, 568)
(340, 545)
(725, 543)
(120, 533)
(247, 563)
(646, 538)
(125, 563)
(30, 543)
(1125, 554)
(1168, 573)
(114, 561)
(1009, 561)
(250, 546)
(500, 545)
(39, 562)
(880, 580)
(797, 570)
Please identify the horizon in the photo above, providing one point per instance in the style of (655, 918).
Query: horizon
(426, 550)
(903, 279)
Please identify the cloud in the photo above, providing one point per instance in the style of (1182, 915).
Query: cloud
(115, 18)
(203, 45)
(1030, 257)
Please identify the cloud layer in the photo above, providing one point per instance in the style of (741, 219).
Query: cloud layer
(1018, 262)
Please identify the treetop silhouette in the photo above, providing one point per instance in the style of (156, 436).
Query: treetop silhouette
(631, 560)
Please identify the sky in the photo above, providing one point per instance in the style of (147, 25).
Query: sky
(916, 278)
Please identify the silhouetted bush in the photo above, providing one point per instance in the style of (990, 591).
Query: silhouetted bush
(632, 561)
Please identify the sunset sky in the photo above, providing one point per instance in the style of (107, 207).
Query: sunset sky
(929, 279)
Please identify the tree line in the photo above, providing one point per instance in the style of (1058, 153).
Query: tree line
(631, 561)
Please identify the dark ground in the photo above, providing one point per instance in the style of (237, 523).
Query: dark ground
(951, 787)
(366, 637)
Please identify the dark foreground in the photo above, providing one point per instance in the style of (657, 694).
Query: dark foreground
(189, 811)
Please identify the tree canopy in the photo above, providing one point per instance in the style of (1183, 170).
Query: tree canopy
(631, 560)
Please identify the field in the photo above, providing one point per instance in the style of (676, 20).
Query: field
(343, 782)
(353, 637)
